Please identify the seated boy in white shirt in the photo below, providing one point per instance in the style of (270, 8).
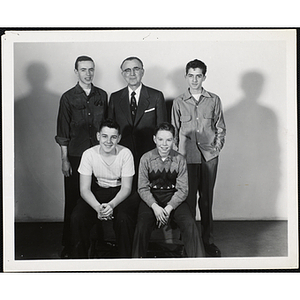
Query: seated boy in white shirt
(113, 167)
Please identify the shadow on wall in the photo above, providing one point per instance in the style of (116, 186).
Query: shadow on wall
(177, 85)
(250, 175)
(178, 81)
(37, 181)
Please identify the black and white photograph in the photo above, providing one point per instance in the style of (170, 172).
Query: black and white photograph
(150, 150)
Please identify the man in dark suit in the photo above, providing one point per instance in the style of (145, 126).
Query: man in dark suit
(138, 109)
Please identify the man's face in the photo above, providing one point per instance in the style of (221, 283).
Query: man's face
(164, 142)
(85, 72)
(195, 78)
(108, 139)
(132, 72)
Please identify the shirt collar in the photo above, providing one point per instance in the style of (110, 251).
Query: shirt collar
(79, 89)
(188, 95)
(137, 92)
(155, 155)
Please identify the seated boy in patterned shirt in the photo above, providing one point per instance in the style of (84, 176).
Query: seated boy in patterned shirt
(163, 188)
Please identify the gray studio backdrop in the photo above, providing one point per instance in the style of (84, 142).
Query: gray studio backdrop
(248, 75)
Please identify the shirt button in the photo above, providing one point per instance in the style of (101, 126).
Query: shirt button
(88, 102)
(89, 114)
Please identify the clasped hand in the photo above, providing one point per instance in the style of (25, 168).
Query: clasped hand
(162, 215)
(105, 212)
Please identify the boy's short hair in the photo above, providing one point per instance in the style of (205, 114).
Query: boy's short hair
(131, 58)
(110, 123)
(82, 58)
(196, 63)
(165, 126)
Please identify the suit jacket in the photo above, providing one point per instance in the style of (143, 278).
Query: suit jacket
(151, 111)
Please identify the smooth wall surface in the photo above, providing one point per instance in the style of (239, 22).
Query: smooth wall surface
(249, 75)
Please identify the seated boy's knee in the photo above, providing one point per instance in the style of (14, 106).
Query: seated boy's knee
(123, 219)
(189, 223)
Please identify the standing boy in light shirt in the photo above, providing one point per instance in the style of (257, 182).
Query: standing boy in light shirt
(198, 119)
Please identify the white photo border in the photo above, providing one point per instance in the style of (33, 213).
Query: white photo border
(189, 264)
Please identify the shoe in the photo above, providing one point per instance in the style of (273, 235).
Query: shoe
(212, 250)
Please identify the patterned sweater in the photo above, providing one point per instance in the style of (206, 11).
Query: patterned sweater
(163, 182)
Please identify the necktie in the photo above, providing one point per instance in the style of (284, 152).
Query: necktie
(133, 106)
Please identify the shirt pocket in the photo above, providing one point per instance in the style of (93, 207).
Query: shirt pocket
(208, 118)
(98, 114)
(185, 119)
(209, 115)
(186, 124)
(78, 113)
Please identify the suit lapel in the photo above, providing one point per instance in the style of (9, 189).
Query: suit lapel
(143, 104)
(124, 105)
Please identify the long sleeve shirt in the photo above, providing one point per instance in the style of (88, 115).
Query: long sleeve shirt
(199, 126)
(163, 176)
(79, 118)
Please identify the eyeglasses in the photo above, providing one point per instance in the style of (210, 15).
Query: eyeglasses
(135, 70)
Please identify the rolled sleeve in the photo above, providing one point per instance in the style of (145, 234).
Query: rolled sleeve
(128, 164)
(86, 165)
(63, 123)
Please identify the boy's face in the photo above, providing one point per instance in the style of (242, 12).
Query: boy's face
(85, 71)
(195, 78)
(108, 139)
(164, 142)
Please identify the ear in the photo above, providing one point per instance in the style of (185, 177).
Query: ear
(119, 139)
(98, 136)
(76, 71)
(154, 139)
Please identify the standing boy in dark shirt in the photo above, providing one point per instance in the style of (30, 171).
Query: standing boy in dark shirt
(81, 111)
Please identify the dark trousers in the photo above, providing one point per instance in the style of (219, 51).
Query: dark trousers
(72, 194)
(180, 216)
(202, 178)
(84, 217)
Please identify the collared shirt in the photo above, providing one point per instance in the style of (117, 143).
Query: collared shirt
(137, 93)
(199, 126)
(79, 118)
(154, 173)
